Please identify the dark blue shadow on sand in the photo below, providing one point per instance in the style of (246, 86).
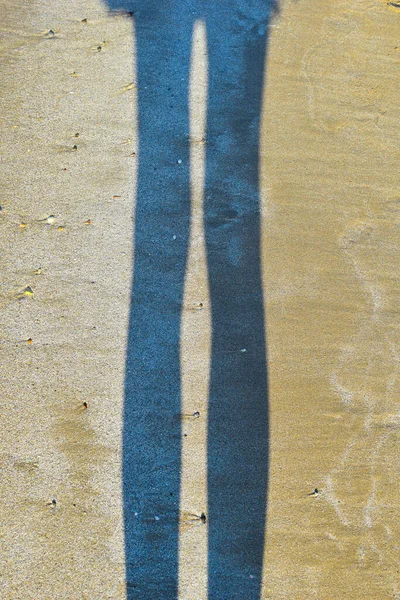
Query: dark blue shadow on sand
(237, 32)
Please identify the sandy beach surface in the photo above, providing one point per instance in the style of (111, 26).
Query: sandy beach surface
(329, 250)
(64, 345)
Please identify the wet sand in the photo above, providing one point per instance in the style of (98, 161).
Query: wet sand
(331, 261)
(330, 255)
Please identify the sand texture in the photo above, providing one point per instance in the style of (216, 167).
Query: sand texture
(289, 303)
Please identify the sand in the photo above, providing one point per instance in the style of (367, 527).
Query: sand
(331, 256)
(58, 92)
(330, 210)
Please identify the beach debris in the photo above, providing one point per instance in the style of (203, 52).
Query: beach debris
(28, 291)
(179, 161)
(314, 493)
(99, 47)
(191, 518)
(29, 341)
(60, 227)
(194, 415)
(83, 407)
(126, 88)
(68, 149)
(50, 220)
(48, 34)
(88, 222)
(196, 306)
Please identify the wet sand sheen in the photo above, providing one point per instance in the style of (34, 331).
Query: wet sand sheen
(331, 262)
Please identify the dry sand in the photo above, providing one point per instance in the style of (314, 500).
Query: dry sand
(59, 91)
(330, 250)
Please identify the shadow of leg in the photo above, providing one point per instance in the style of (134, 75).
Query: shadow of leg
(238, 405)
(151, 435)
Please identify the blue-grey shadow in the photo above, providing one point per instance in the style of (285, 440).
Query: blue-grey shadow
(238, 430)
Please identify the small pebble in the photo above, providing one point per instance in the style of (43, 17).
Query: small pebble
(50, 219)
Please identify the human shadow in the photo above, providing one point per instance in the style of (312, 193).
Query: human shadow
(238, 430)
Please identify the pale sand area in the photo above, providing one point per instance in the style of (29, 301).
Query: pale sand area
(52, 447)
(330, 253)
